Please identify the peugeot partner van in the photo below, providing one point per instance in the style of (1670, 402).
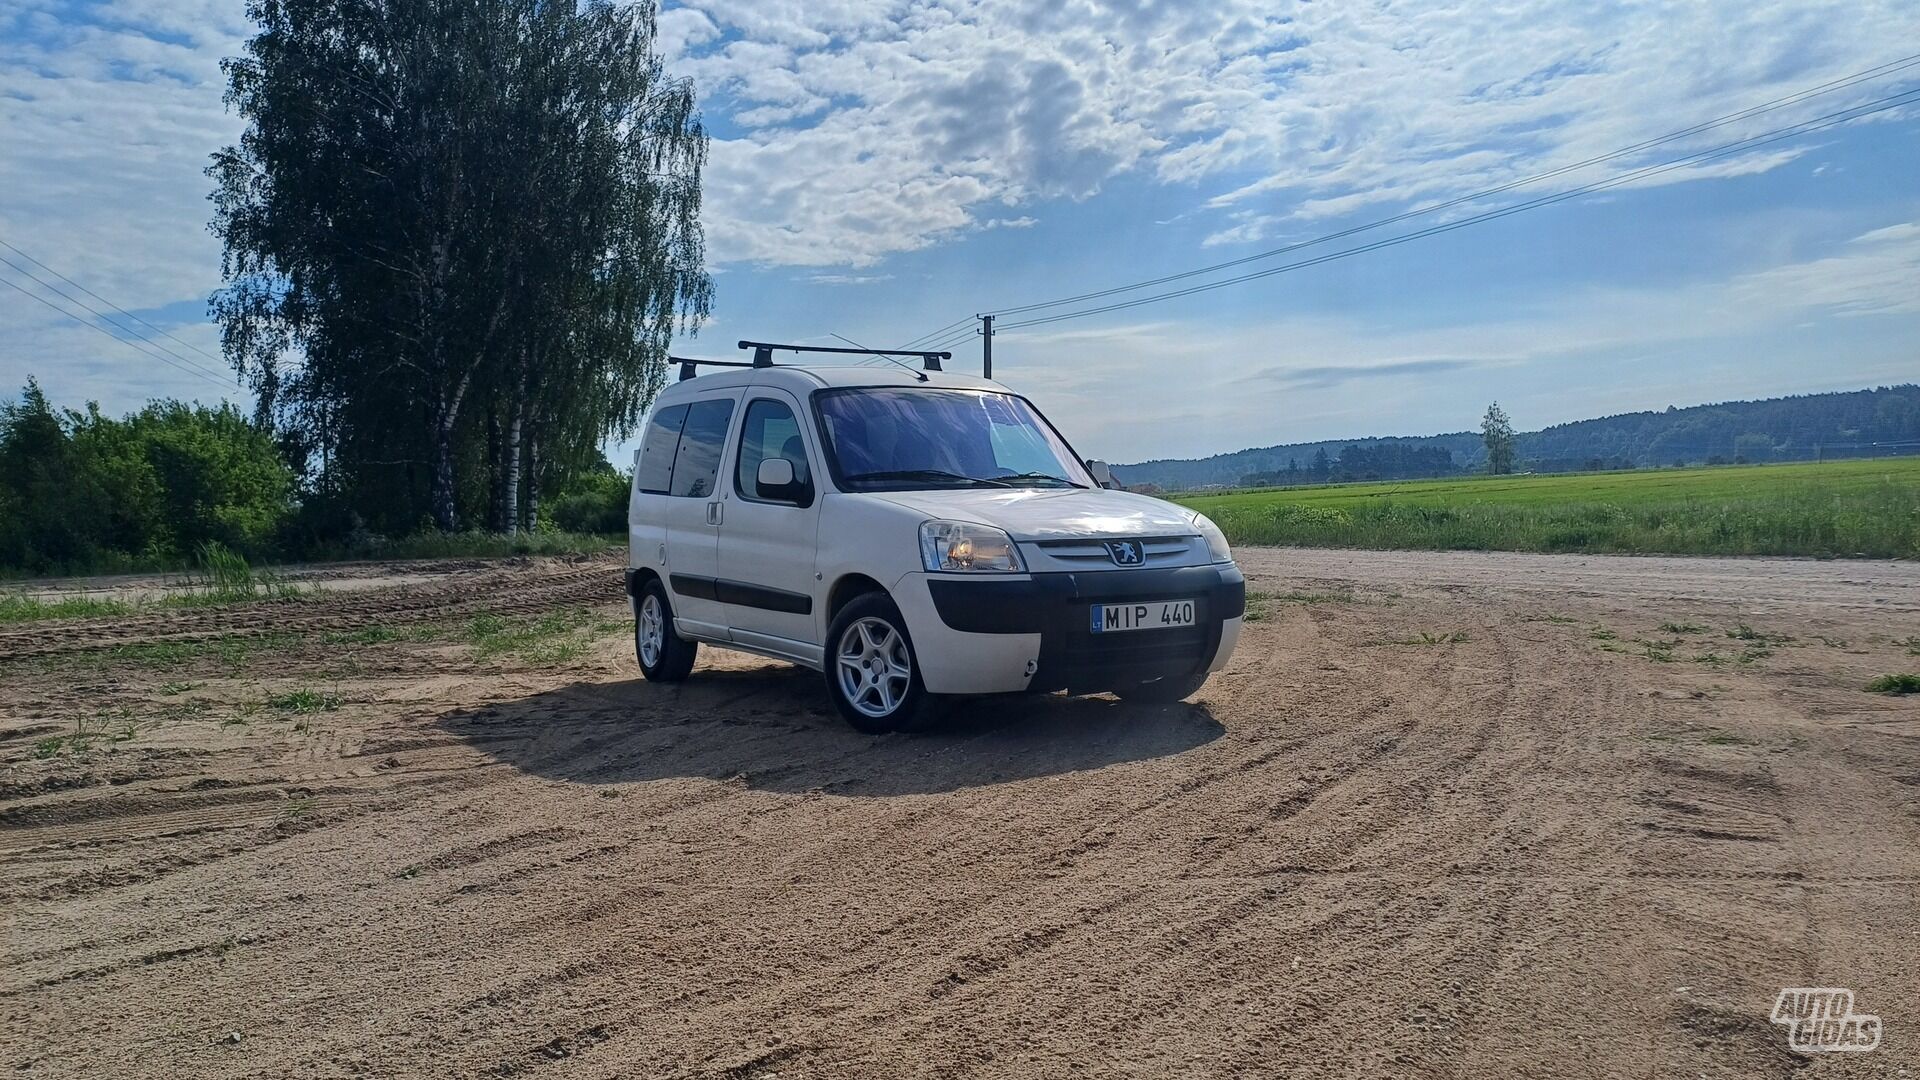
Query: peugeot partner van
(911, 534)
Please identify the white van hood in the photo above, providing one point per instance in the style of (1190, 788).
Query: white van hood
(1050, 513)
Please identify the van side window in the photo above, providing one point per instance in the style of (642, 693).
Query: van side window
(769, 431)
(701, 440)
(651, 476)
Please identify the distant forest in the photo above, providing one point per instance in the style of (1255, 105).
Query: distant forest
(1860, 423)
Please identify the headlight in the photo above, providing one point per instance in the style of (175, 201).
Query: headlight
(961, 545)
(1216, 540)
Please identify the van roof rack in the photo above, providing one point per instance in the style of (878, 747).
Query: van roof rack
(688, 363)
(763, 356)
(763, 353)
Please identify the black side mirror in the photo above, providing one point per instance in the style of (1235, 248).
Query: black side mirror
(776, 480)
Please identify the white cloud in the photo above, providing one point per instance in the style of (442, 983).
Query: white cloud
(879, 127)
(109, 126)
(848, 279)
(1220, 389)
(1878, 273)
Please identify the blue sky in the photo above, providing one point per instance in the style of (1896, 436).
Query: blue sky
(880, 169)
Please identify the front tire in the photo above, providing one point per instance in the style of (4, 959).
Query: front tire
(872, 672)
(664, 655)
(1164, 691)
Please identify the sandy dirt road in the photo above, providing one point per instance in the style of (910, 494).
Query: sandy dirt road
(1450, 815)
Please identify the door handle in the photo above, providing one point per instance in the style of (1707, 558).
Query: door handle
(713, 513)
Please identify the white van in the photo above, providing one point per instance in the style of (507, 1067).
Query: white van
(912, 534)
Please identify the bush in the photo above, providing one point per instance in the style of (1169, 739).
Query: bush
(84, 491)
(1895, 684)
(594, 503)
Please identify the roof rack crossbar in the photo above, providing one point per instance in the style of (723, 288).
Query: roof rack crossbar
(763, 353)
(688, 363)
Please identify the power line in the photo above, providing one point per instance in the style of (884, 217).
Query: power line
(882, 355)
(1879, 71)
(10, 247)
(1806, 127)
(955, 340)
(136, 344)
(936, 333)
(104, 317)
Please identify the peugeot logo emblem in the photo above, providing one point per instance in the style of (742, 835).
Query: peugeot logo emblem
(1127, 552)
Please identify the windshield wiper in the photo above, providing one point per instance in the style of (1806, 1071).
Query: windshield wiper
(940, 475)
(1038, 476)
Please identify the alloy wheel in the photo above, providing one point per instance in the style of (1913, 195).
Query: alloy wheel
(874, 668)
(653, 631)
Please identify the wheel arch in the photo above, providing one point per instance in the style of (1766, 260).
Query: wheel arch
(638, 577)
(845, 589)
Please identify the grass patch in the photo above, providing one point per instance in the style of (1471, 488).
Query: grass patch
(1681, 628)
(1259, 607)
(382, 634)
(81, 739)
(304, 701)
(21, 608)
(1866, 508)
(1660, 651)
(232, 650)
(222, 577)
(1725, 738)
(554, 638)
(1743, 632)
(1896, 684)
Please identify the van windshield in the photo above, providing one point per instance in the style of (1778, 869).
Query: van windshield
(893, 439)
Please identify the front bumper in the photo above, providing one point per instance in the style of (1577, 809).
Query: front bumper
(1055, 608)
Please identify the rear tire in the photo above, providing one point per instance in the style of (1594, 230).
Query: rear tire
(1163, 691)
(873, 674)
(665, 656)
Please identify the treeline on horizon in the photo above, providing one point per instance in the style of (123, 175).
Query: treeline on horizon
(1851, 424)
(85, 492)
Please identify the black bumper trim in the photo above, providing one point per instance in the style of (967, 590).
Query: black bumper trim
(1028, 607)
(1072, 657)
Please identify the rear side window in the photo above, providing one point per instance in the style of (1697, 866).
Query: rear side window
(701, 439)
(655, 470)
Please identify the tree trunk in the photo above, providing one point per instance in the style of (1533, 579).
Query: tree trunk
(440, 489)
(510, 487)
(533, 479)
(496, 475)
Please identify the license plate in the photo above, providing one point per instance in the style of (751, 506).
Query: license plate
(1154, 615)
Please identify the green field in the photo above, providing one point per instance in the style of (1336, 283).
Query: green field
(1850, 509)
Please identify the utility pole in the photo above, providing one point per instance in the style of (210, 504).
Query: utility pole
(986, 346)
